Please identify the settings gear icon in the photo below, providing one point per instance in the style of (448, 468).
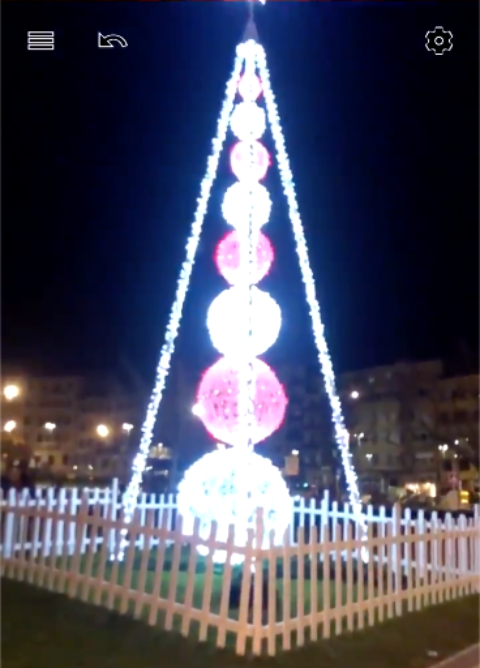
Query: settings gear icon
(439, 41)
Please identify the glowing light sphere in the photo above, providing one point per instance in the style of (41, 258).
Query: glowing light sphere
(248, 121)
(217, 398)
(227, 318)
(227, 258)
(241, 199)
(228, 486)
(250, 87)
(249, 161)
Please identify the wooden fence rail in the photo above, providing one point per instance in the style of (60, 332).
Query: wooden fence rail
(313, 585)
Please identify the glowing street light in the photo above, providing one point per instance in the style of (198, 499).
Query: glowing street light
(50, 426)
(197, 410)
(103, 431)
(11, 392)
(127, 427)
(354, 394)
(10, 426)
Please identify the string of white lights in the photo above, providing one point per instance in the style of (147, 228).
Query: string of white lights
(247, 244)
(139, 463)
(341, 433)
(250, 372)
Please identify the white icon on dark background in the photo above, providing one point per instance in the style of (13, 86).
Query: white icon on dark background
(109, 41)
(40, 40)
(439, 41)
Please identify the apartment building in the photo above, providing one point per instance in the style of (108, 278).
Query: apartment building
(408, 419)
(304, 446)
(77, 427)
(407, 422)
(69, 425)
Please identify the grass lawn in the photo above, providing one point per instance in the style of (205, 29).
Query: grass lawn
(217, 585)
(199, 583)
(40, 628)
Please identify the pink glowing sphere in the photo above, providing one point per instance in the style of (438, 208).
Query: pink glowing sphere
(227, 258)
(250, 87)
(249, 161)
(217, 401)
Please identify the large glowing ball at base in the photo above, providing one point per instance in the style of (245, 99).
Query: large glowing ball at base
(248, 121)
(228, 322)
(228, 486)
(242, 200)
(249, 161)
(227, 258)
(217, 399)
(250, 87)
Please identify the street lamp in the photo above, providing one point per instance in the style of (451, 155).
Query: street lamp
(197, 410)
(11, 392)
(10, 426)
(358, 438)
(50, 426)
(354, 394)
(103, 431)
(127, 427)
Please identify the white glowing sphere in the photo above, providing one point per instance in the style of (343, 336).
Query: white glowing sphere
(241, 199)
(250, 87)
(248, 121)
(228, 318)
(249, 161)
(228, 486)
(247, 50)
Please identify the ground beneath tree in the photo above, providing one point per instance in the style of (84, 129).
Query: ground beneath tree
(40, 629)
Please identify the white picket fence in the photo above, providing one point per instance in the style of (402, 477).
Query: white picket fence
(312, 586)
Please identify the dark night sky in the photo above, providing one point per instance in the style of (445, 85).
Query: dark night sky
(103, 153)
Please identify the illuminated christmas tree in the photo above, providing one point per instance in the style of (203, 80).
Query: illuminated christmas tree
(239, 399)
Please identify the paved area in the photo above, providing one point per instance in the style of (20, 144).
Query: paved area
(468, 658)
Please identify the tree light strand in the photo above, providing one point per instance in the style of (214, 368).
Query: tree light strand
(139, 463)
(247, 236)
(341, 433)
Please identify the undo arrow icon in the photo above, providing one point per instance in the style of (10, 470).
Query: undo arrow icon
(108, 41)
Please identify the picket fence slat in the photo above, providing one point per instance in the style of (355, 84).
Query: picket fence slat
(142, 578)
(305, 585)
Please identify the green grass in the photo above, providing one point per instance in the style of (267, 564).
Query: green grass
(40, 628)
(200, 582)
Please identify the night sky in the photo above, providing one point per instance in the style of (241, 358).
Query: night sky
(104, 150)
